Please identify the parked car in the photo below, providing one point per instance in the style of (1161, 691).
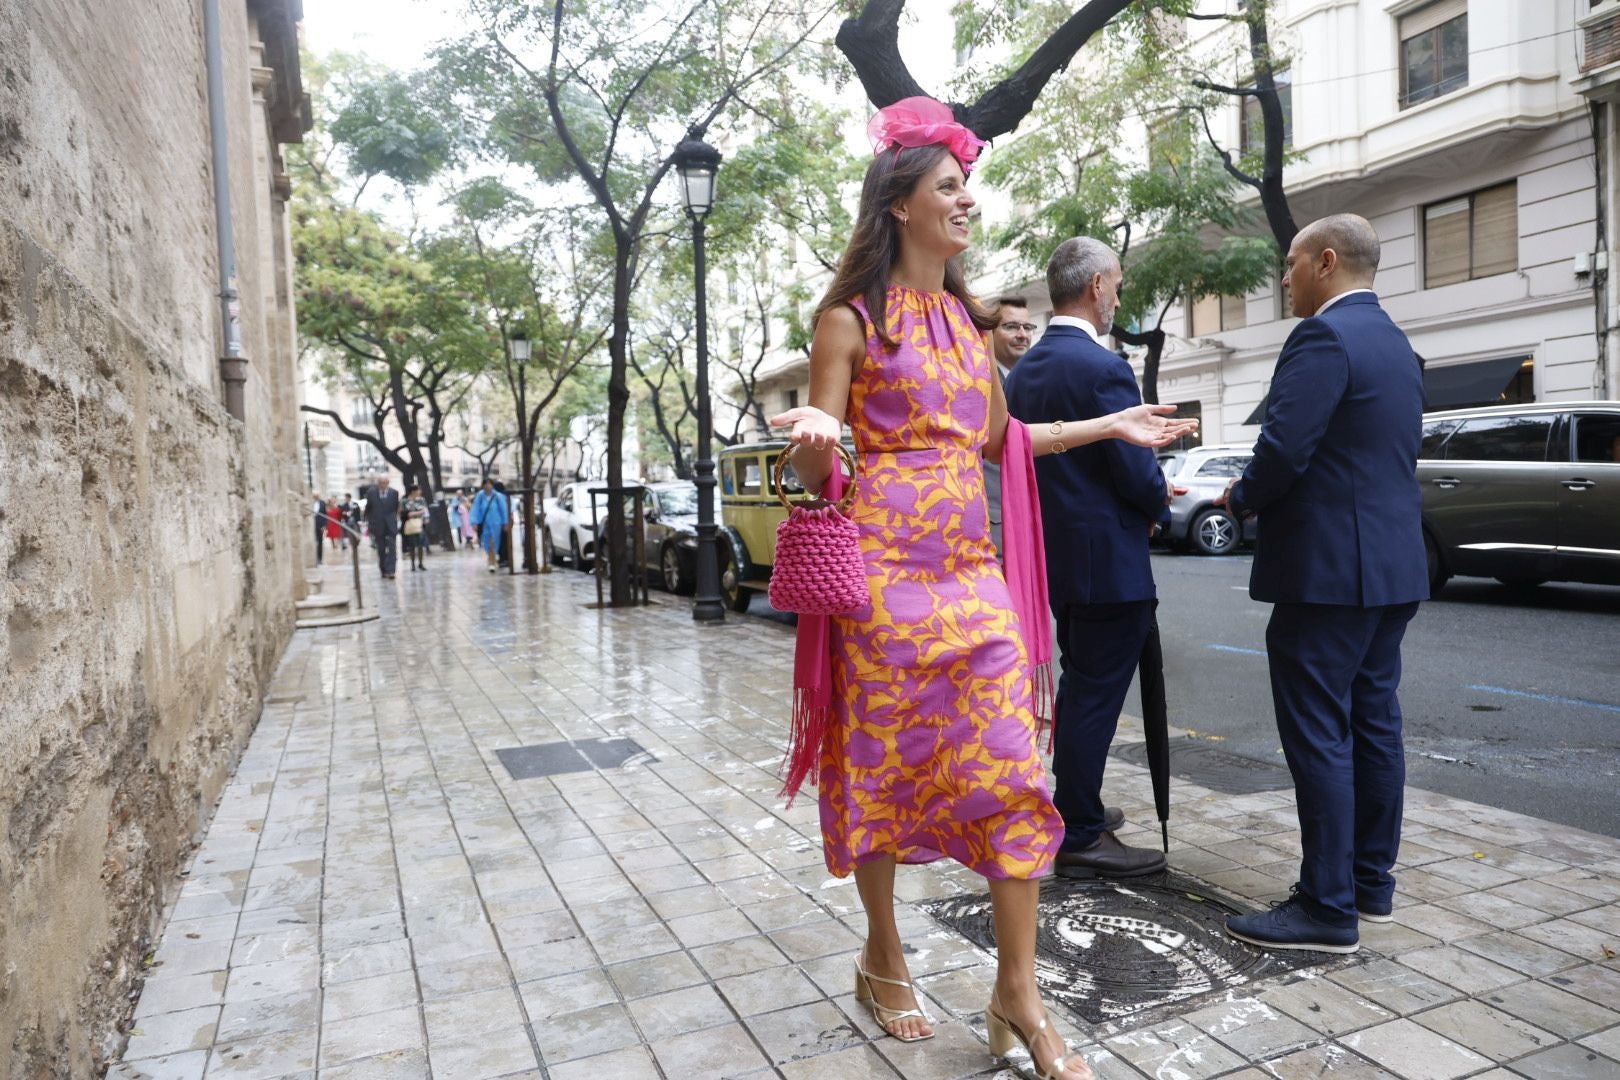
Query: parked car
(669, 513)
(1196, 477)
(1523, 493)
(749, 514)
(570, 530)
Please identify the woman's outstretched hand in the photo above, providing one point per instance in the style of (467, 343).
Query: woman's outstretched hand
(1151, 425)
(811, 427)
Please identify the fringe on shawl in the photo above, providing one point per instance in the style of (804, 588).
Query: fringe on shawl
(805, 739)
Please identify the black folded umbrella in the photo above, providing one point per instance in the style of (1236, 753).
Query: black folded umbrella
(1156, 725)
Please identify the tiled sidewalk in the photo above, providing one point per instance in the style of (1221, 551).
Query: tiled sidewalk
(376, 897)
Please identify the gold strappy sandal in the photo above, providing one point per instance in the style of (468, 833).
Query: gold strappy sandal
(1004, 1032)
(882, 1013)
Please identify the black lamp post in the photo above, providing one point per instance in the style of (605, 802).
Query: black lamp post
(518, 343)
(697, 162)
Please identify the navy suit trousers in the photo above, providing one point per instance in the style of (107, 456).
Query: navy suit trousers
(1334, 673)
(1099, 651)
(387, 551)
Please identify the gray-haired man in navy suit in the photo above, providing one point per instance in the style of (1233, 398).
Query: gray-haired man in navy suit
(1340, 555)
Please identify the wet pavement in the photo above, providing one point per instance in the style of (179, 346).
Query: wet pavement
(441, 855)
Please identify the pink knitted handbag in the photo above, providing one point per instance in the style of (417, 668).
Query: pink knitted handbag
(819, 569)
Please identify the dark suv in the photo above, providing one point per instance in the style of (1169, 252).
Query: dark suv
(1523, 493)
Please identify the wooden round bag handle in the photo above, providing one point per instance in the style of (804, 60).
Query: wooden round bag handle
(849, 492)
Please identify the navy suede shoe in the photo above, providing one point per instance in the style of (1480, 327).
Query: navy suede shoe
(1371, 911)
(1289, 926)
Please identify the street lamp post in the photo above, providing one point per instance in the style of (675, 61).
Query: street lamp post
(519, 344)
(697, 162)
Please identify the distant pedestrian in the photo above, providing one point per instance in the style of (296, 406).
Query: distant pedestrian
(469, 535)
(489, 513)
(319, 511)
(382, 522)
(414, 513)
(351, 512)
(334, 517)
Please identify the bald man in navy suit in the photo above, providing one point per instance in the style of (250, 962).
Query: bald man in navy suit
(1340, 556)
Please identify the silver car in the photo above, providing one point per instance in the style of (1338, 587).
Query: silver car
(1196, 477)
(1523, 493)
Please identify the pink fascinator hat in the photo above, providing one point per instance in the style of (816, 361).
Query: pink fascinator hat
(922, 121)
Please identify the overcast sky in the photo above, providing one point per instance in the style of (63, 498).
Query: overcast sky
(398, 33)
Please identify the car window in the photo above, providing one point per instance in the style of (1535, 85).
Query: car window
(1597, 438)
(790, 480)
(566, 499)
(1500, 438)
(1434, 436)
(676, 502)
(1222, 466)
(1171, 463)
(747, 473)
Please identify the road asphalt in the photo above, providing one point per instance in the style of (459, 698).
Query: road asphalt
(1511, 696)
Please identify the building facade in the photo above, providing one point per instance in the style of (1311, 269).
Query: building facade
(152, 542)
(1457, 128)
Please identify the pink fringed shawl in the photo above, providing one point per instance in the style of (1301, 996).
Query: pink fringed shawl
(1024, 552)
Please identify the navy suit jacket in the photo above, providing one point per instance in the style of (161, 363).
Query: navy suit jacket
(1334, 475)
(1098, 501)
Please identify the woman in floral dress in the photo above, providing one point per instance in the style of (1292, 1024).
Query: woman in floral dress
(930, 748)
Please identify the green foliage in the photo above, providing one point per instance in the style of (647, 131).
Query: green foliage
(390, 126)
(1070, 175)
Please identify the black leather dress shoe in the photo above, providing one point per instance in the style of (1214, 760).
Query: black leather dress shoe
(1113, 818)
(1110, 859)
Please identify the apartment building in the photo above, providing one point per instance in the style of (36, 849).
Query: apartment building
(1460, 129)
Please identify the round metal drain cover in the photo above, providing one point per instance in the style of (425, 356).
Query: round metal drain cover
(1106, 950)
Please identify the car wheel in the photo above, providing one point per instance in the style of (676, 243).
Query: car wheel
(1214, 532)
(669, 562)
(548, 550)
(1437, 567)
(731, 587)
(574, 554)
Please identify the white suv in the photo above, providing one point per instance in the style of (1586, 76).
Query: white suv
(570, 529)
(1196, 477)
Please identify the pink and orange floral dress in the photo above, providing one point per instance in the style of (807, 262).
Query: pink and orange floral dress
(931, 750)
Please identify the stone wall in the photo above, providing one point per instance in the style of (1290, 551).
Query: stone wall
(150, 544)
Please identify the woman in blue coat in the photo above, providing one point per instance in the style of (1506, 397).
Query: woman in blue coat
(490, 516)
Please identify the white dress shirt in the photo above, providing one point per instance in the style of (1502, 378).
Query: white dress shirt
(1078, 323)
(1330, 301)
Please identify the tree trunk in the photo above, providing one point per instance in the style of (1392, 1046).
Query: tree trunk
(1272, 196)
(1154, 340)
(618, 405)
(405, 417)
(531, 564)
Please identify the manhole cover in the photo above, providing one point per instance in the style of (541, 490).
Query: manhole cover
(1108, 950)
(1212, 768)
(557, 758)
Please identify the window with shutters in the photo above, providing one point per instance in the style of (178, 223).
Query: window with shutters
(1212, 314)
(1472, 236)
(1252, 135)
(1434, 51)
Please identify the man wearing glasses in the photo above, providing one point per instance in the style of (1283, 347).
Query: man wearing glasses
(1012, 337)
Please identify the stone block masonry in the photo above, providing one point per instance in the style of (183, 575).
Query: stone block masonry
(151, 546)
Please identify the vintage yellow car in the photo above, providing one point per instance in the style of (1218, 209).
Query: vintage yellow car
(749, 515)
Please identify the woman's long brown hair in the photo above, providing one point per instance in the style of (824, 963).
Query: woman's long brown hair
(875, 244)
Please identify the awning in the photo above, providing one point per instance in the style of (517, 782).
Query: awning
(1457, 386)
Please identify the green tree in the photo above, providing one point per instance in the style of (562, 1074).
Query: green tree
(392, 325)
(597, 95)
(539, 287)
(1193, 237)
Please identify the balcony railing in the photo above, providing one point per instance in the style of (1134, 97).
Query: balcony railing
(1600, 34)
